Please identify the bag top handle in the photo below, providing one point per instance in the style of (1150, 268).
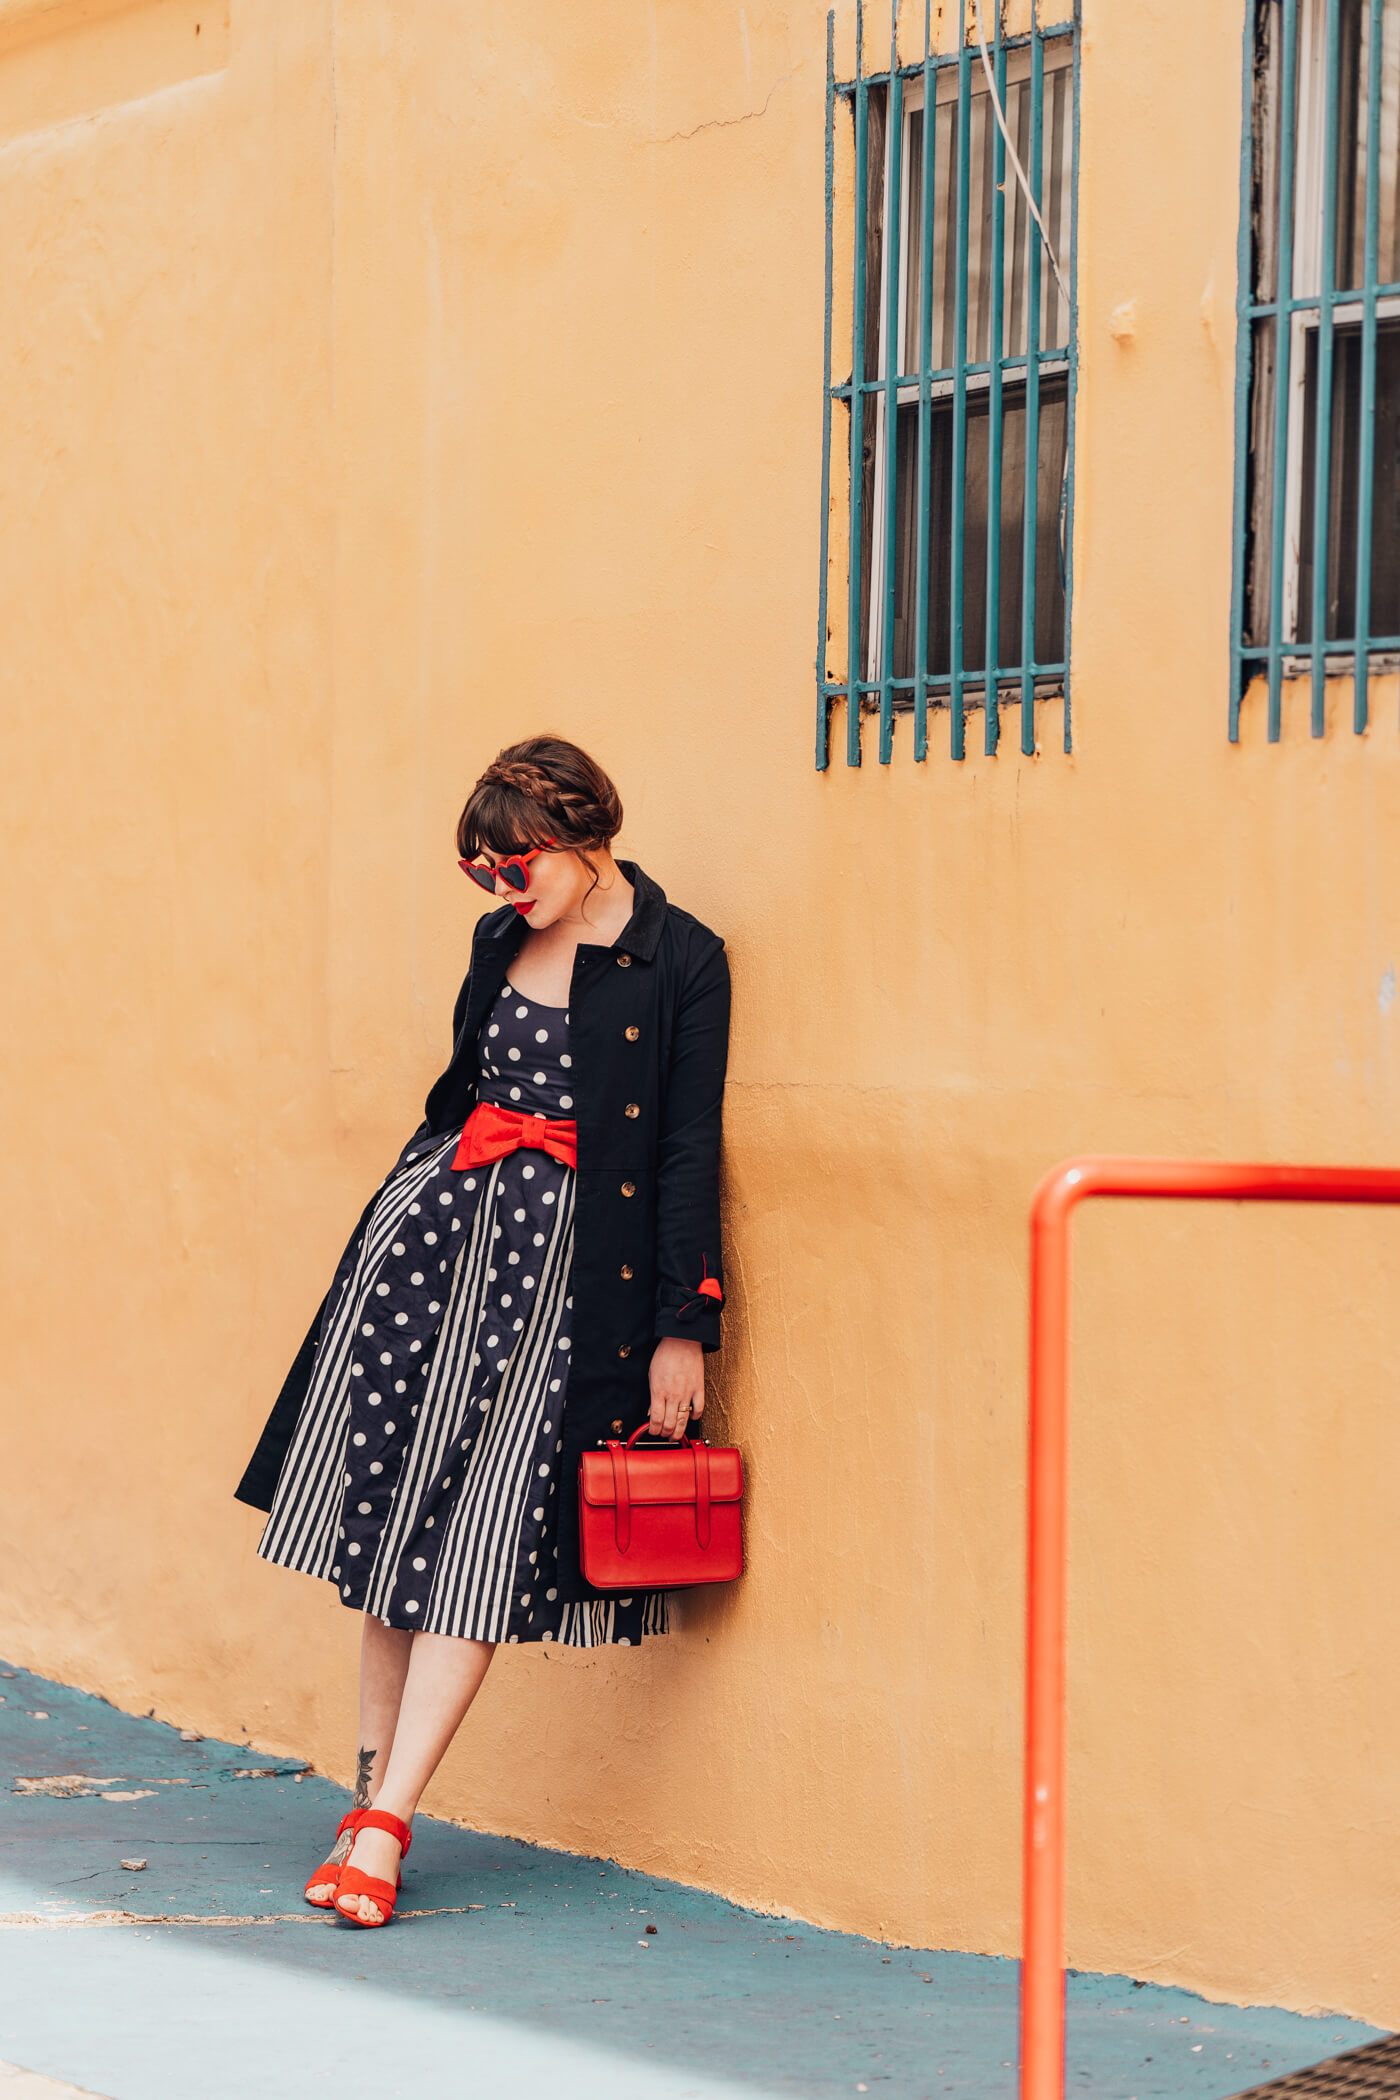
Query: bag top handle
(665, 1443)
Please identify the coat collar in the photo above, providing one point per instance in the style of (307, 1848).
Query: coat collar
(640, 936)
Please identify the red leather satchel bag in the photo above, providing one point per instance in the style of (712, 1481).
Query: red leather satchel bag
(663, 1518)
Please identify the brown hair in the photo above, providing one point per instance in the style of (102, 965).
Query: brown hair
(544, 788)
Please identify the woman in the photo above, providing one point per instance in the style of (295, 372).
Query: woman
(540, 1270)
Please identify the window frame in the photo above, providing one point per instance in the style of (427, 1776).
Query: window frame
(979, 376)
(888, 100)
(1291, 238)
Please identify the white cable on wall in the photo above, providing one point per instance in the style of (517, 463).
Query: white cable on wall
(1011, 152)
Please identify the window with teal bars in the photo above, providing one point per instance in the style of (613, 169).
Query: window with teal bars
(952, 442)
(1317, 497)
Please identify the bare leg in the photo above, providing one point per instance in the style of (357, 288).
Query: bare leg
(384, 1653)
(444, 1676)
(384, 1658)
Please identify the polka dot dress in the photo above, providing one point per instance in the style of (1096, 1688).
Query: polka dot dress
(423, 1478)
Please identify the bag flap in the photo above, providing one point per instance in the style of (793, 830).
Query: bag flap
(663, 1476)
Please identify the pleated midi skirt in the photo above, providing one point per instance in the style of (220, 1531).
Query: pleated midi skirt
(422, 1479)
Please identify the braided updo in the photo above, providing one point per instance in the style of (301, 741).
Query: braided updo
(544, 788)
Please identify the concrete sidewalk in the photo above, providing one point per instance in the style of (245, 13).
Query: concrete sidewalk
(202, 1976)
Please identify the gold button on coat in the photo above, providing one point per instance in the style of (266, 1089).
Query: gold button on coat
(632, 1033)
(626, 1272)
(625, 1350)
(617, 1428)
(632, 1109)
(624, 962)
(629, 1188)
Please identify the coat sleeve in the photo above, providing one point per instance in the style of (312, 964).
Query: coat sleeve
(259, 1482)
(441, 1085)
(687, 1191)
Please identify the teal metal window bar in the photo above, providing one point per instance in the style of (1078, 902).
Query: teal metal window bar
(959, 439)
(1317, 388)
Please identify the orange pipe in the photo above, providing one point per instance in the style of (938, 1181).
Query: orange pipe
(1047, 1562)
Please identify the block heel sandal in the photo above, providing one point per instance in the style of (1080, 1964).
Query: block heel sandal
(330, 1869)
(353, 1883)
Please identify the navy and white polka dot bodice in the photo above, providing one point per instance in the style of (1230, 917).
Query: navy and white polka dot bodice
(523, 1057)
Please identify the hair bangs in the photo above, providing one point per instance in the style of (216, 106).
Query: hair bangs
(501, 820)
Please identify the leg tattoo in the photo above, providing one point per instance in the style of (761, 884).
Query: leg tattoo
(364, 1765)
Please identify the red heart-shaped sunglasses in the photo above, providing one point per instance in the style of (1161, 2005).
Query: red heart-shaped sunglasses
(515, 871)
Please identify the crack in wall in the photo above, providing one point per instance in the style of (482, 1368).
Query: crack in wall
(748, 116)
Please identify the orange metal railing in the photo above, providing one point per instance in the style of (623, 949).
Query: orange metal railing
(1052, 1208)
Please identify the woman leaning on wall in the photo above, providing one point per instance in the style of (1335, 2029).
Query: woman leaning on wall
(540, 1270)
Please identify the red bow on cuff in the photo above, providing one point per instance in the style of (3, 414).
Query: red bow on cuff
(708, 1292)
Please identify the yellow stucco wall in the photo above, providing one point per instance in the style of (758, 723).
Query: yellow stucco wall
(381, 382)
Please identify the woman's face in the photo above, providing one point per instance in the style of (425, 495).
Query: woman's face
(559, 882)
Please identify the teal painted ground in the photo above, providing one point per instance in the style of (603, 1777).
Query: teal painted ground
(533, 1973)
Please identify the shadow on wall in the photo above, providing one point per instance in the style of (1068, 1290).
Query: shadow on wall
(72, 58)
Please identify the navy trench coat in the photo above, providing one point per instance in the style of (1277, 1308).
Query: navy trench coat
(649, 1037)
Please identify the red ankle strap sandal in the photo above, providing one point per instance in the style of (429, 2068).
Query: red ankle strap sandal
(354, 1883)
(330, 1870)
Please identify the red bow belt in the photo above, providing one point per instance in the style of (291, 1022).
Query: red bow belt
(491, 1133)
